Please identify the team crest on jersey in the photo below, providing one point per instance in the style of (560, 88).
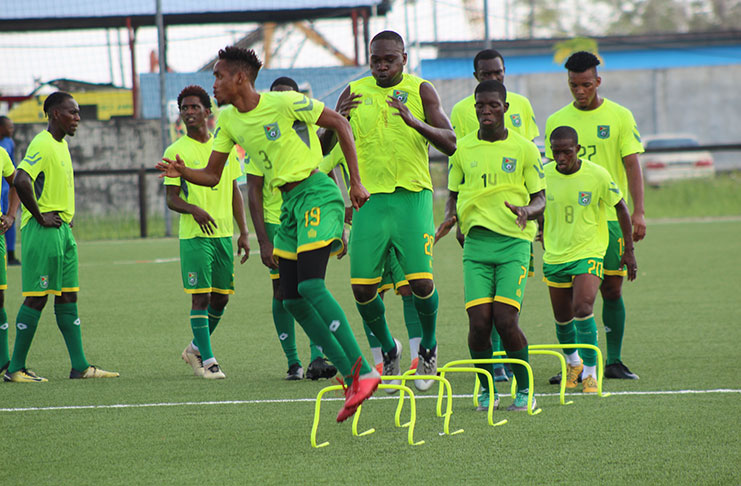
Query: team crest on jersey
(272, 131)
(400, 95)
(585, 198)
(509, 164)
(44, 281)
(603, 131)
(192, 278)
(475, 163)
(516, 120)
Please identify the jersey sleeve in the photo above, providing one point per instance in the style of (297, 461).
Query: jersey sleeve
(531, 127)
(236, 167)
(456, 119)
(630, 139)
(331, 160)
(35, 160)
(252, 169)
(533, 172)
(547, 143)
(6, 163)
(170, 153)
(612, 194)
(223, 140)
(303, 108)
(455, 173)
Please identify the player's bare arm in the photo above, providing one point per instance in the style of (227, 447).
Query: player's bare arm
(179, 205)
(628, 258)
(451, 217)
(332, 120)
(7, 220)
(208, 176)
(257, 212)
(635, 186)
(24, 187)
(437, 129)
(243, 241)
(534, 209)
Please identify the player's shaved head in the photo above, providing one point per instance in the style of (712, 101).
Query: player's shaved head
(492, 86)
(565, 133)
(284, 81)
(55, 99)
(389, 35)
(485, 55)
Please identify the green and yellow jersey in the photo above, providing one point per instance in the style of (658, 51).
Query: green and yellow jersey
(391, 154)
(606, 135)
(271, 196)
(486, 174)
(576, 213)
(6, 166)
(50, 166)
(217, 200)
(519, 117)
(277, 135)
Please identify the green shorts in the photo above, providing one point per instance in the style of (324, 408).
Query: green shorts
(393, 276)
(207, 265)
(615, 251)
(4, 266)
(495, 268)
(401, 220)
(49, 260)
(312, 216)
(272, 229)
(561, 275)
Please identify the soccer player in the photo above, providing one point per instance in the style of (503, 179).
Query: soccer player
(206, 256)
(6, 141)
(44, 181)
(6, 221)
(609, 137)
(264, 203)
(497, 187)
(394, 117)
(489, 64)
(575, 238)
(274, 129)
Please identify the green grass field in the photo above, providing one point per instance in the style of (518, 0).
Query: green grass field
(158, 424)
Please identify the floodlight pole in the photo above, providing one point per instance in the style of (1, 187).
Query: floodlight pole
(164, 128)
(487, 36)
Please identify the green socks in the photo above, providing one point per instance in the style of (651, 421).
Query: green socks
(427, 310)
(202, 336)
(214, 316)
(613, 316)
(485, 354)
(566, 334)
(68, 322)
(4, 353)
(25, 324)
(411, 319)
(586, 329)
(520, 371)
(374, 316)
(285, 328)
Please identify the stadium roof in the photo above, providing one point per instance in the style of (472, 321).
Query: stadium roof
(29, 15)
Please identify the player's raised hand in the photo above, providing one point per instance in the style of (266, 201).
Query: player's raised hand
(171, 168)
(243, 244)
(629, 260)
(266, 255)
(204, 220)
(521, 213)
(348, 104)
(639, 226)
(445, 228)
(358, 195)
(403, 111)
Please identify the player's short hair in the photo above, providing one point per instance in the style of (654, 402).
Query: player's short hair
(55, 99)
(284, 81)
(565, 133)
(492, 86)
(245, 59)
(194, 90)
(484, 55)
(389, 35)
(580, 61)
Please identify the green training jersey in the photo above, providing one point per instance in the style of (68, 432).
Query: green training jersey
(6, 166)
(391, 154)
(519, 116)
(216, 201)
(271, 196)
(486, 174)
(50, 166)
(606, 135)
(277, 135)
(576, 212)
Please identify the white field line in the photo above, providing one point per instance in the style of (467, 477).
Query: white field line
(299, 400)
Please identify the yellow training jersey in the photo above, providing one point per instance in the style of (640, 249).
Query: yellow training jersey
(217, 200)
(333, 159)
(50, 166)
(486, 174)
(606, 135)
(576, 212)
(391, 154)
(6, 166)
(519, 117)
(277, 135)
(271, 196)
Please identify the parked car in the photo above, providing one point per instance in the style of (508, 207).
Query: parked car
(675, 164)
